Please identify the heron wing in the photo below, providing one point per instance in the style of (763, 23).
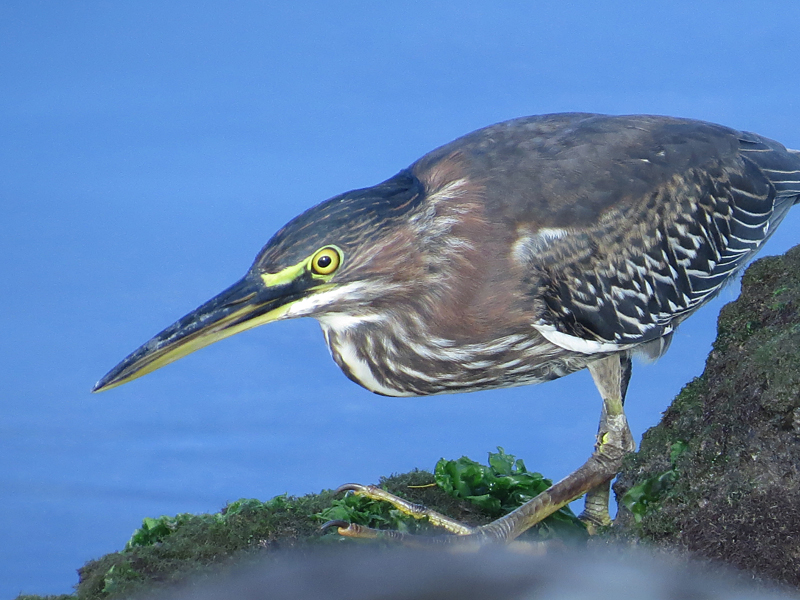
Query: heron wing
(632, 273)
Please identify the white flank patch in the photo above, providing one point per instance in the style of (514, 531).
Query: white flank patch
(551, 233)
(576, 344)
(527, 245)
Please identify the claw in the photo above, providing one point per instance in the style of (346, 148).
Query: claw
(335, 523)
(351, 487)
(355, 530)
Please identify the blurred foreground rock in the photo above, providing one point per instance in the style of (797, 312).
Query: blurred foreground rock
(491, 574)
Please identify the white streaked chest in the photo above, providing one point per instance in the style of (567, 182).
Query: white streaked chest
(335, 327)
(400, 364)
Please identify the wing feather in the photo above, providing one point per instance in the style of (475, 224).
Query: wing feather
(635, 273)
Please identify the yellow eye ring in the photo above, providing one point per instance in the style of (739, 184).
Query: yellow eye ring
(325, 261)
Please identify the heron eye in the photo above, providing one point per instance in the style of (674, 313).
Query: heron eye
(325, 261)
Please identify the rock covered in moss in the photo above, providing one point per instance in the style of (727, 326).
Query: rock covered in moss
(168, 550)
(719, 475)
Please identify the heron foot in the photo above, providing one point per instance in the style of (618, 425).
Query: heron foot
(416, 511)
(614, 441)
(595, 474)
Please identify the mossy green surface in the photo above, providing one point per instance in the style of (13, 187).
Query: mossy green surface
(733, 493)
(169, 550)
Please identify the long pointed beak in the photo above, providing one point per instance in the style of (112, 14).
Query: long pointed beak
(246, 304)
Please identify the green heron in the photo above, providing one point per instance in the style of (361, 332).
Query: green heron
(516, 254)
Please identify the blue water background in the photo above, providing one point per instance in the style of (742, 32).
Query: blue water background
(148, 150)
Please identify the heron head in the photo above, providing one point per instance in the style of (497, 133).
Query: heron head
(343, 255)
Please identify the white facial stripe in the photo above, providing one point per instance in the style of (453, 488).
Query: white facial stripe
(312, 303)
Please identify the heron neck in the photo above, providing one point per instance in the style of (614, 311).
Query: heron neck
(403, 359)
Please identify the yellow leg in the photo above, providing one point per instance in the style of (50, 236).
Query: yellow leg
(612, 383)
(595, 512)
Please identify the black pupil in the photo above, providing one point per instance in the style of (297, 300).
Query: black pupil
(323, 262)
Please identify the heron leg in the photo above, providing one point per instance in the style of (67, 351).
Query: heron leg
(595, 508)
(611, 382)
(614, 441)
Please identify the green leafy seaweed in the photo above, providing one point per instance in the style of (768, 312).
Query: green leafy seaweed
(501, 487)
(154, 531)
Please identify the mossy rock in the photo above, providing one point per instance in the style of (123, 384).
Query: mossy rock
(172, 550)
(732, 492)
(169, 550)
